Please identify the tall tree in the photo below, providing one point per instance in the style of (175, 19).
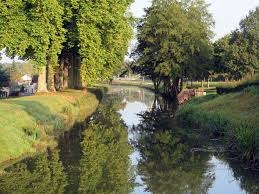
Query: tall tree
(104, 43)
(33, 30)
(74, 42)
(237, 54)
(169, 46)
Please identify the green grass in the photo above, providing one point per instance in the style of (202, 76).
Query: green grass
(147, 84)
(230, 86)
(233, 116)
(31, 123)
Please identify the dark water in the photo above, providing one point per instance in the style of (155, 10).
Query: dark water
(131, 145)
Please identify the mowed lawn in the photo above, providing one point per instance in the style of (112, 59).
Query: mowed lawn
(34, 122)
(238, 106)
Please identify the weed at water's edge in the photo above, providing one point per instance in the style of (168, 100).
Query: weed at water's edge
(240, 135)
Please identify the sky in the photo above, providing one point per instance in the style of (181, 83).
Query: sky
(227, 13)
(6, 59)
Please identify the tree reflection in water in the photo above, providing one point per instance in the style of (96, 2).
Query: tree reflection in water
(105, 165)
(43, 173)
(101, 164)
(166, 163)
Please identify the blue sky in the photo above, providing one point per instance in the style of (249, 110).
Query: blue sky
(226, 13)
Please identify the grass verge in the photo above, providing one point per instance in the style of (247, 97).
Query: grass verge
(29, 124)
(232, 116)
(144, 84)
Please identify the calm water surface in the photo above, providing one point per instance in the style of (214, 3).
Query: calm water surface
(130, 145)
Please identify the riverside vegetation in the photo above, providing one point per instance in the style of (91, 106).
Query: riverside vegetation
(173, 50)
(31, 123)
(233, 116)
(92, 158)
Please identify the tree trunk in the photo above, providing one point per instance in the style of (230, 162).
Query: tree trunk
(156, 82)
(181, 84)
(65, 76)
(61, 74)
(175, 88)
(202, 84)
(77, 73)
(42, 80)
(50, 77)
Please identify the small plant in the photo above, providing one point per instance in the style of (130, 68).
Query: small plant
(254, 90)
(32, 132)
(76, 103)
(66, 110)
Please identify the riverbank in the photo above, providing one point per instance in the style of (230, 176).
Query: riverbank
(139, 83)
(32, 123)
(234, 117)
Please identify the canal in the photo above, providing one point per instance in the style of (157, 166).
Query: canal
(132, 144)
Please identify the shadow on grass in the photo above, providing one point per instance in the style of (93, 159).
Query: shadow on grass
(43, 116)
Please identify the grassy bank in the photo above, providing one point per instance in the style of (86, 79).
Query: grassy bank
(145, 84)
(32, 123)
(233, 116)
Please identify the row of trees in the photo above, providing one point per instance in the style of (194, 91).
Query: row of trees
(237, 54)
(72, 43)
(175, 44)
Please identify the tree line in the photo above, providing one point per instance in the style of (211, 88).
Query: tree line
(175, 44)
(72, 43)
(237, 54)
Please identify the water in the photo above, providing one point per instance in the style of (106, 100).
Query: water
(130, 145)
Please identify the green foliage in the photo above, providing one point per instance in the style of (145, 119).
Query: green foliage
(32, 29)
(104, 31)
(233, 116)
(166, 163)
(237, 87)
(105, 166)
(237, 53)
(251, 90)
(34, 121)
(92, 38)
(41, 174)
(173, 47)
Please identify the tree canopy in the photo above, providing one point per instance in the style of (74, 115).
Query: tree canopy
(174, 42)
(237, 54)
(71, 42)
